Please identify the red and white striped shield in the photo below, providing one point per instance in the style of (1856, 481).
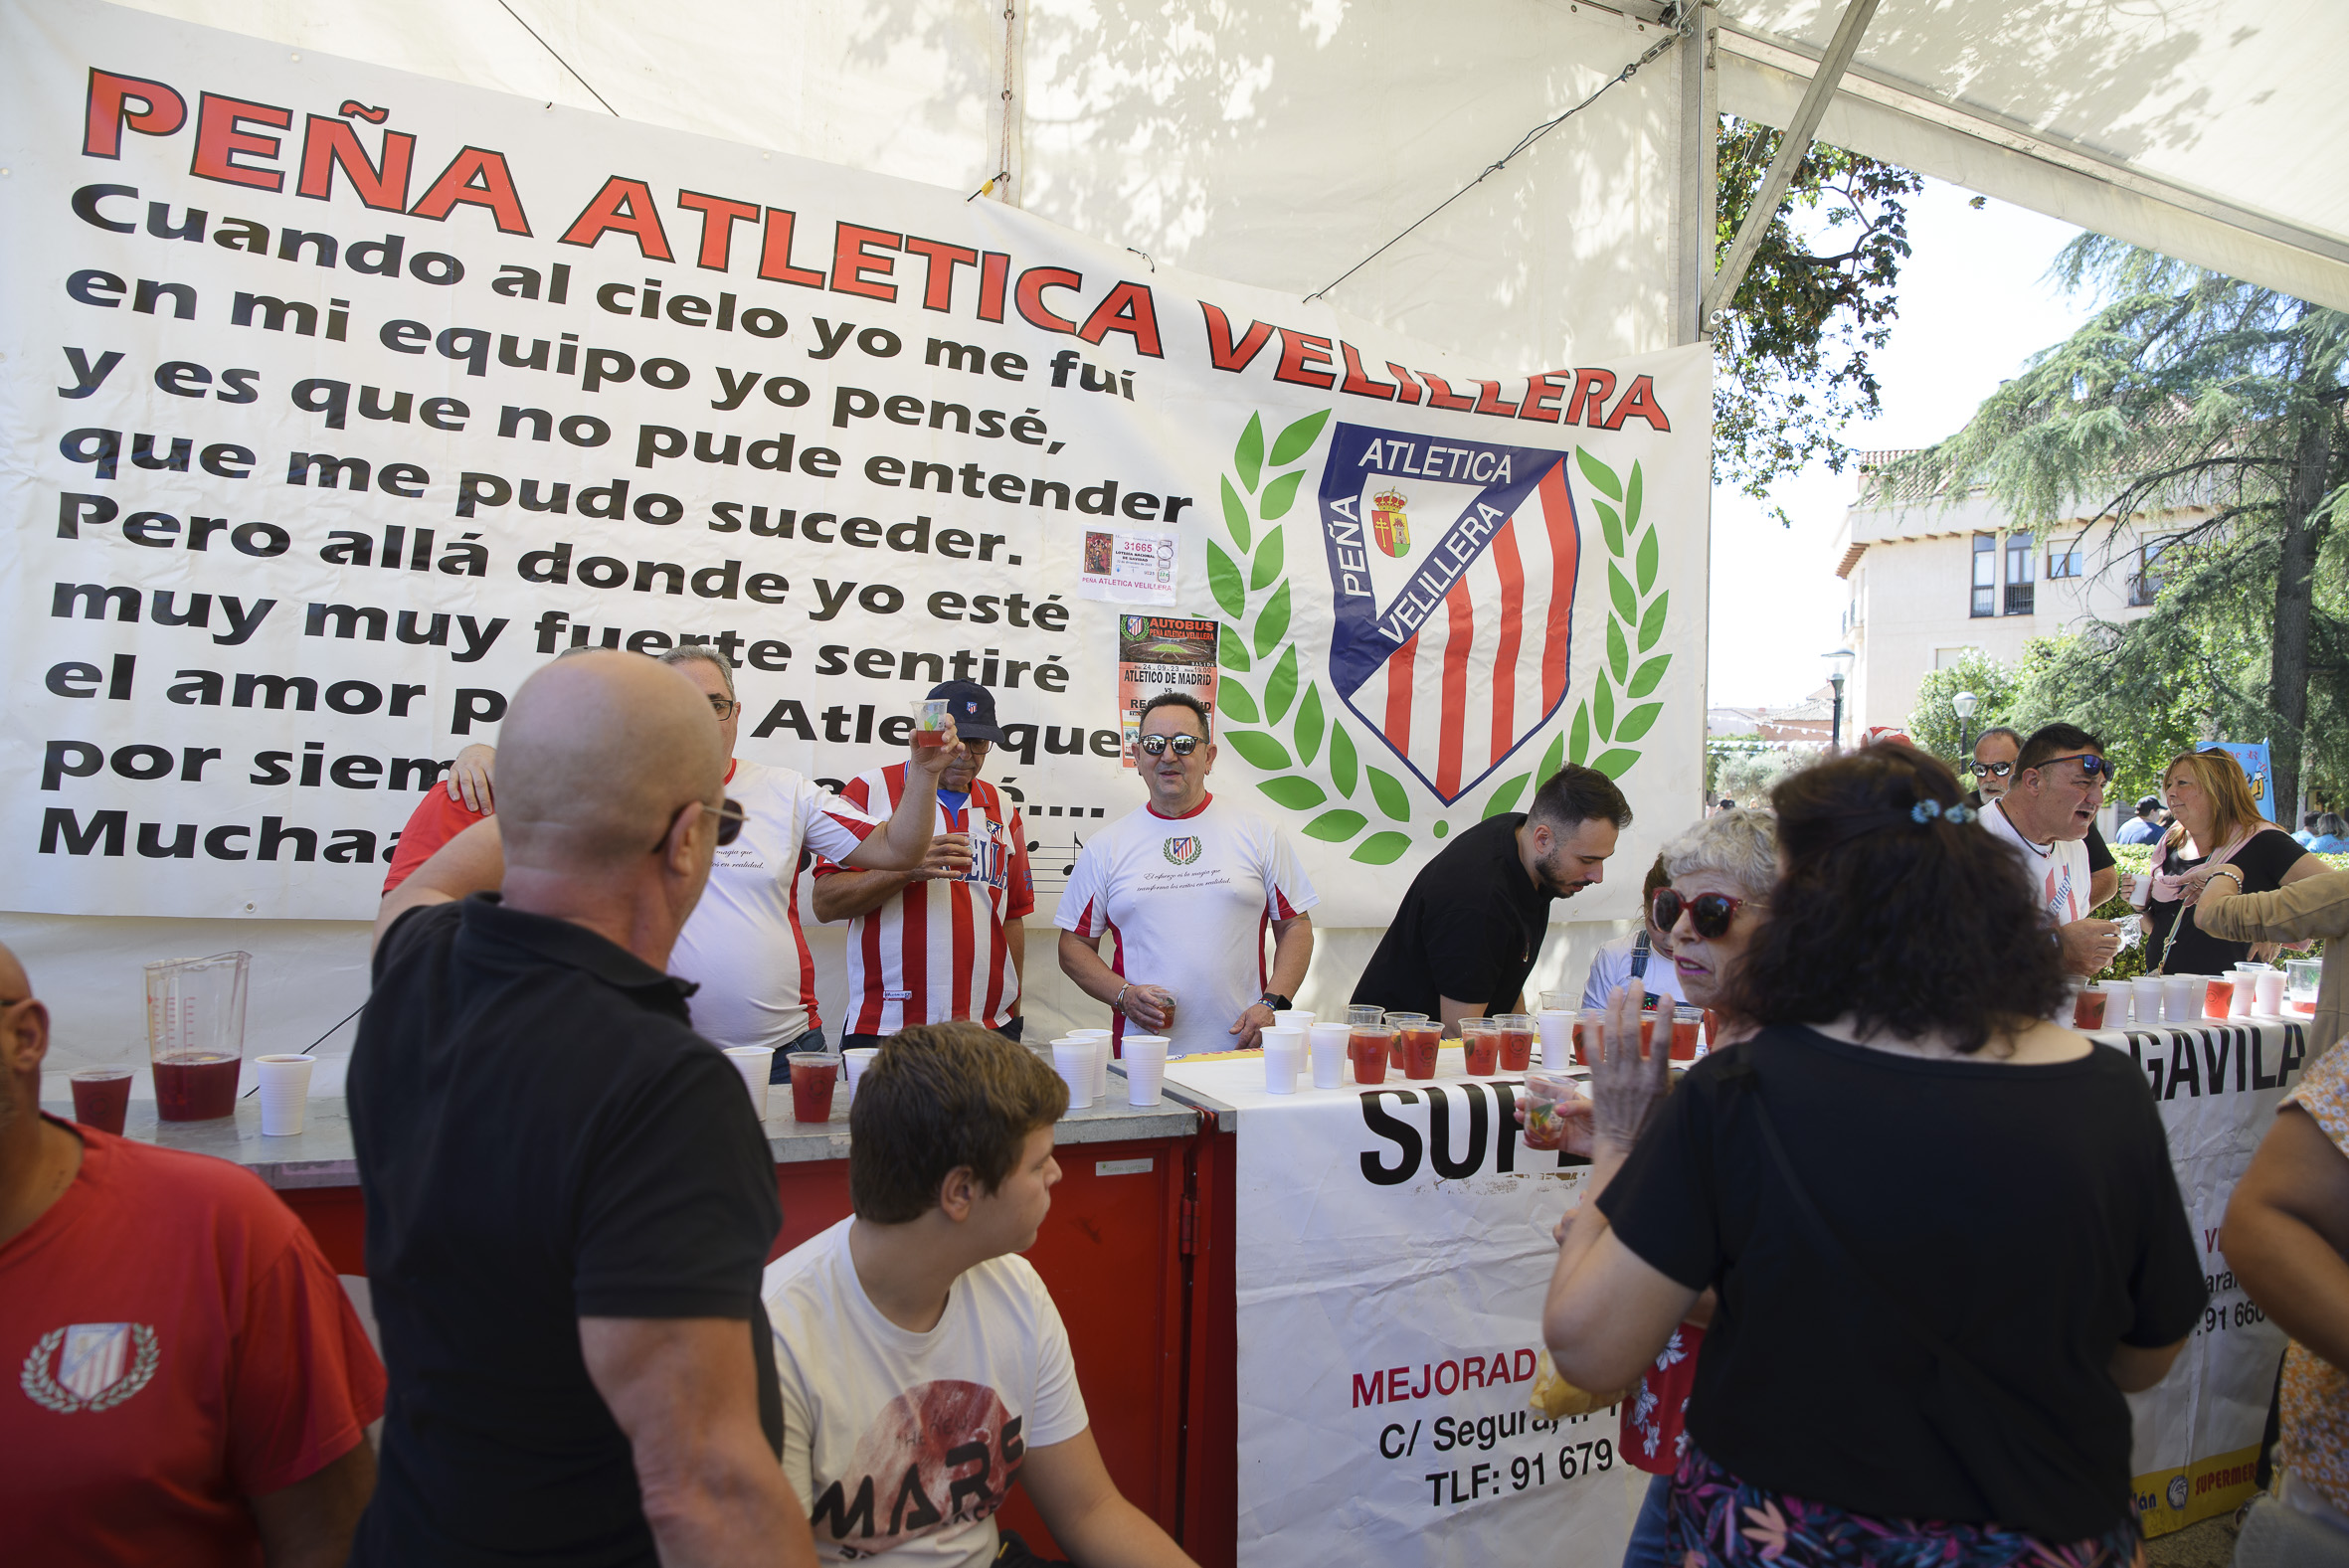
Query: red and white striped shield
(1455, 650)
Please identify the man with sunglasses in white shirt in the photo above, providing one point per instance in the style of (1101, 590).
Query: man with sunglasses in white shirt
(1188, 885)
(2045, 813)
(1994, 768)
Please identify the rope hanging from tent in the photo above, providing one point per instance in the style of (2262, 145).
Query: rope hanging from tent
(1527, 140)
(560, 60)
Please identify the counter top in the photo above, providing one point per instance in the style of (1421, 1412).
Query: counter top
(321, 1154)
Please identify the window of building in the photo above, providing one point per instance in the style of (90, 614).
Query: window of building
(2020, 593)
(2146, 583)
(1985, 575)
(2067, 563)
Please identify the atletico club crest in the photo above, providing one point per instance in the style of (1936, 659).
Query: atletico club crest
(1460, 656)
(1390, 530)
(1181, 851)
(90, 1366)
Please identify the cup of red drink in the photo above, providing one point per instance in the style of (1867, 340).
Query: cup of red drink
(2218, 994)
(1590, 1031)
(1481, 1048)
(1518, 1031)
(1416, 1040)
(1685, 1024)
(1546, 1090)
(814, 1073)
(932, 719)
(2088, 1008)
(101, 1097)
(1370, 1050)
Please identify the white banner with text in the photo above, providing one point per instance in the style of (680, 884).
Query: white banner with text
(339, 399)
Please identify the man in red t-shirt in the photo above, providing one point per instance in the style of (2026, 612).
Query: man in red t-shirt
(190, 1384)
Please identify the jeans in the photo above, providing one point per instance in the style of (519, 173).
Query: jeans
(779, 1072)
(1647, 1547)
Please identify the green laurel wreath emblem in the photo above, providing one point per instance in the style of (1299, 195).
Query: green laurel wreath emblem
(1296, 725)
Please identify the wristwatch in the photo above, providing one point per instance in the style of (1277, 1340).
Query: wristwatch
(1276, 1001)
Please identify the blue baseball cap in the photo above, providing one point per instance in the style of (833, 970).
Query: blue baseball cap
(973, 710)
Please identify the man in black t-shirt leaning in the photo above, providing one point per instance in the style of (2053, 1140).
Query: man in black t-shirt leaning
(569, 1200)
(1469, 930)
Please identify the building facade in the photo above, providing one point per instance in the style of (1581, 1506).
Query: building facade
(1933, 578)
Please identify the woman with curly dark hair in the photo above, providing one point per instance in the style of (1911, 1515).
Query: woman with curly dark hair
(1944, 1232)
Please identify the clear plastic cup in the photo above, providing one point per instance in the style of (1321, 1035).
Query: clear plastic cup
(1562, 1001)
(2218, 994)
(2301, 977)
(1545, 1089)
(1370, 1047)
(1688, 1028)
(1328, 1044)
(755, 1064)
(932, 716)
(1590, 1034)
(2088, 1008)
(101, 1097)
(1480, 1047)
(1073, 1061)
(1284, 1055)
(1416, 1041)
(1517, 1030)
(814, 1074)
(285, 1093)
(1146, 1068)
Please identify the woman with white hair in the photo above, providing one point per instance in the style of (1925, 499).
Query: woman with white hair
(1718, 876)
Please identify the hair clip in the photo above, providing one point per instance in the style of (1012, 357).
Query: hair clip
(1960, 813)
(1927, 811)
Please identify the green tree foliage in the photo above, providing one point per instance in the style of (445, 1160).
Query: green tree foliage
(2218, 403)
(1791, 352)
(1934, 725)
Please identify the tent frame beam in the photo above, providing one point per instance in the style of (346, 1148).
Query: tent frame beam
(1698, 193)
(1791, 148)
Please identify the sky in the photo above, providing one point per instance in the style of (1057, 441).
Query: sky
(1975, 304)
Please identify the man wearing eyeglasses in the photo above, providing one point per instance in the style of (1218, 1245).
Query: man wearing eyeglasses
(1188, 885)
(743, 946)
(1994, 770)
(2046, 814)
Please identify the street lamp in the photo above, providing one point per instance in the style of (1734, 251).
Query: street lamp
(1965, 702)
(1839, 668)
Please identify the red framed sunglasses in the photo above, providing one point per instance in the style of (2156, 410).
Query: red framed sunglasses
(1709, 913)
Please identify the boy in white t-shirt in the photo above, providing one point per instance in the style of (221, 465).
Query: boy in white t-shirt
(923, 1366)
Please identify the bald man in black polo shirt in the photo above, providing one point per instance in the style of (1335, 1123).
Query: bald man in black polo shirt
(1469, 930)
(569, 1201)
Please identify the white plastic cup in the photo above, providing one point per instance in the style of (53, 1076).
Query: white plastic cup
(1146, 1068)
(285, 1093)
(1296, 1018)
(1557, 1034)
(2247, 986)
(2269, 993)
(754, 1063)
(855, 1062)
(1073, 1061)
(2147, 996)
(2181, 998)
(2140, 890)
(1284, 1056)
(1328, 1043)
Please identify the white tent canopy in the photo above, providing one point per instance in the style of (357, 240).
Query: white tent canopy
(2209, 131)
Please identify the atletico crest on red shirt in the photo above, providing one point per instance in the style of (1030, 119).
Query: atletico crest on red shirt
(90, 1366)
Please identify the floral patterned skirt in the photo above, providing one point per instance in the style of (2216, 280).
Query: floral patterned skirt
(1718, 1521)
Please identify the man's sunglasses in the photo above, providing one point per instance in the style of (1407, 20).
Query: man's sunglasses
(1709, 913)
(730, 816)
(1156, 745)
(1983, 770)
(2090, 764)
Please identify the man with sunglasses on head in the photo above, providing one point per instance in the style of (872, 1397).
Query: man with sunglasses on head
(1469, 930)
(743, 946)
(1994, 769)
(569, 1201)
(1188, 885)
(2046, 814)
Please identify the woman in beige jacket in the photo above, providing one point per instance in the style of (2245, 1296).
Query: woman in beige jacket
(2315, 906)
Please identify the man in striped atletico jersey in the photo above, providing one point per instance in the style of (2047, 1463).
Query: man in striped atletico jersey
(1188, 885)
(943, 941)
